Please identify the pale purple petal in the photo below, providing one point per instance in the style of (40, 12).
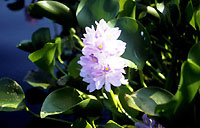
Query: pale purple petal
(107, 86)
(101, 63)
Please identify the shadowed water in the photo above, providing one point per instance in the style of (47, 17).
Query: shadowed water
(14, 62)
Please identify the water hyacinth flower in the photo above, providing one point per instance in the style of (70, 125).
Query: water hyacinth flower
(148, 123)
(101, 63)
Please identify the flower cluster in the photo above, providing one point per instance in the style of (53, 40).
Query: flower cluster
(148, 123)
(101, 63)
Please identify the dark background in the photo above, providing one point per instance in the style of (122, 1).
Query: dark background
(14, 62)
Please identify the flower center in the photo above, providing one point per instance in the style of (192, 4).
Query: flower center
(95, 59)
(106, 69)
(100, 47)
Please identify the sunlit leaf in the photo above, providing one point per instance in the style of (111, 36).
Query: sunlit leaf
(194, 54)
(127, 8)
(38, 78)
(59, 101)
(11, 95)
(188, 87)
(136, 38)
(44, 58)
(122, 93)
(59, 43)
(90, 11)
(198, 18)
(146, 99)
(53, 10)
(112, 124)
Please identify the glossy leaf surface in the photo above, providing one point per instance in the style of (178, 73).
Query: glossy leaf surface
(146, 99)
(90, 11)
(53, 10)
(136, 38)
(59, 101)
(11, 95)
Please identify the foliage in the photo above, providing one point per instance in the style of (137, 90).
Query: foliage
(162, 55)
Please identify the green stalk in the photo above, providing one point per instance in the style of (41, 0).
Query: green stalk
(60, 69)
(48, 118)
(142, 78)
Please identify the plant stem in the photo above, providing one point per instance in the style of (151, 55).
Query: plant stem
(48, 118)
(60, 69)
(93, 125)
(142, 78)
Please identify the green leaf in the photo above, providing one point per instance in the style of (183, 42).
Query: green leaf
(26, 45)
(146, 99)
(53, 10)
(44, 58)
(74, 68)
(90, 11)
(127, 8)
(38, 78)
(189, 11)
(81, 124)
(188, 87)
(122, 93)
(198, 18)
(88, 108)
(194, 54)
(136, 38)
(192, 21)
(11, 95)
(59, 42)
(40, 37)
(112, 124)
(59, 101)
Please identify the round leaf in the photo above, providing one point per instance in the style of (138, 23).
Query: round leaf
(146, 99)
(53, 10)
(136, 38)
(11, 95)
(90, 11)
(59, 101)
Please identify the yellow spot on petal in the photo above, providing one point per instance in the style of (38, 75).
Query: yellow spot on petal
(94, 60)
(107, 68)
(100, 46)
